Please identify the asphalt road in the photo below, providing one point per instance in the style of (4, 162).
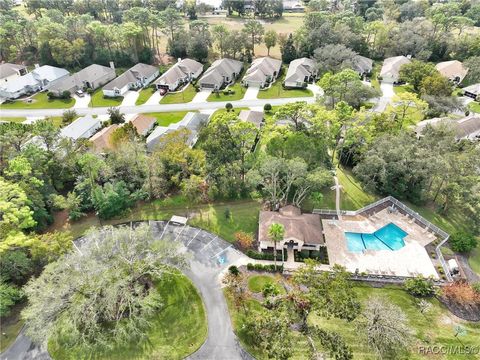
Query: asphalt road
(209, 256)
(191, 106)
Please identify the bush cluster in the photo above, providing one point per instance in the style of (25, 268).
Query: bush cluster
(264, 256)
(260, 267)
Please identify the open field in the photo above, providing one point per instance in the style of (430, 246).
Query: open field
(97, 100)
(474, 106)
(40, 101)
(211, 217)
(179, 97)
(174, 334)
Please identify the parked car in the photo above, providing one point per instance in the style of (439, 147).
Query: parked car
(80, 93)
(163, 91)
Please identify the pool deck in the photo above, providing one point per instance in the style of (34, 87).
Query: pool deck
(411, 260)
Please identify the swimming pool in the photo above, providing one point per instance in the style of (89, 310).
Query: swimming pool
(389, 237)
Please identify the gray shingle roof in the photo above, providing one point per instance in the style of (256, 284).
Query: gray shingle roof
(8, 69)
(178, 71)
(464, 128)
(262, 68)
(299, 69)
(220, 69)
(391, 66)
(132, 75)
(255, 117)
(90, 73)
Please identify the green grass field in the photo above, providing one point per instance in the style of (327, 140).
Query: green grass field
(144, 95)
(474, 106)
(256, 283)
(179, 97)
(40, 101)
(211, 217)
(175, 332)
(97, 100)
(13, 119)
(474, 260)
(435, 327)
(239, 94)
(167, 118)
(402, 89)
(276, 90)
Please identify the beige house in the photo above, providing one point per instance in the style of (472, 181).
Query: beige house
(390, 72)
(300, 72)
(143, 123)
(453, 70)
(184, 71)
(467, 128)
(262, 72)
(92, 77)
(222, 72)
(101, 141)
(254, 117)
(302, 231)
(10, 71)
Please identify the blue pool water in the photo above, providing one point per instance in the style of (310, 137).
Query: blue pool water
(389, 237)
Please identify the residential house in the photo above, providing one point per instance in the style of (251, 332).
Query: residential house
(101, 141)
(302, 231)
(472, 91)
(300, 72)
(293, 6)
(262, 72)
(143, 123)
(362, 65)
(390, 72)
(192, 121)
(467, 128)
(254, 117)
(41, 78)
(82, 128)
(222, 72)
(138, 76)
(453, 70)
(10, 71)
(184, 71)
(92, 77)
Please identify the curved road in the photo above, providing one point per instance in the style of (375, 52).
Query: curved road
(191, 106)
(210, 257)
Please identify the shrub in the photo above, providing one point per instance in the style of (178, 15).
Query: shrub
(260, 267)
(462, 293)
(90, 91)
(270, 290)
(476, 287)
(51, 95)
(264, 256)
(66, 94)
(462, 242)
(244, 240)
(234, 270)
(228, 106)
(267, 107)
(420, 286)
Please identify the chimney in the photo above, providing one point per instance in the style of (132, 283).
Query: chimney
(112, 65)
(37, 66)
(179, 59)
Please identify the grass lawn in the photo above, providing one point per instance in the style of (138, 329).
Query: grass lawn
(474, 106)
(11, 326)
(239, 94)
(179, 97)
(474, 259)
(40, 101)
(402, 89)
(175, 332)
(210, 217)
(435, 327)
(97, 100)
(256, 283)
(373, 78)
(224, 111)
(276, 90)
(167, 118)
(13, 119)
(144, 95)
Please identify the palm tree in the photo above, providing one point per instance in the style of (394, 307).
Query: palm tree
(276, 233)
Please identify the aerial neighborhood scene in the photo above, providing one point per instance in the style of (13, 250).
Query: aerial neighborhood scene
(239, 179)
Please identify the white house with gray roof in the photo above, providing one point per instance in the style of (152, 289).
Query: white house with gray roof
(138, 76)
(390, 72)
(92, 77)
(184, 71)
(467, 128)
(221, 73)
(262, 72)
(82, 128)
(10, 71)
(362, 65)
(41, 78)
(300, 72)
(192, 121)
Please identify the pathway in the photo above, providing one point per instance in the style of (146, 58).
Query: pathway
(211, 257)
(251, 93)
(146, 108)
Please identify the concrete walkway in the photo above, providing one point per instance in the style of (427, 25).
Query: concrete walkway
(156, 107)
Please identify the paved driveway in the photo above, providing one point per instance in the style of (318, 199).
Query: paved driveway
(210, 257)
(387, 94)
(251, 93)
(201, 96)
(154, 99)
(81, 102)
(129, 98)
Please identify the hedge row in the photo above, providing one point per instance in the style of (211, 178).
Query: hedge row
(260, 267)
(265, 256)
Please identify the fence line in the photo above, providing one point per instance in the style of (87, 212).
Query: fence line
(428, 225)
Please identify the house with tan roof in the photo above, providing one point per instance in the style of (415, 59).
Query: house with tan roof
(302, 231)
(143, 123)
(222, 72)
(92, 77)
(10, 71)
(362, 65)
(467, 128)
(390, 72)
(262, 72)
(183, 72)
(138, 76)
(101, 141)
(251, 116)
(453, 70)
(300, 72)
